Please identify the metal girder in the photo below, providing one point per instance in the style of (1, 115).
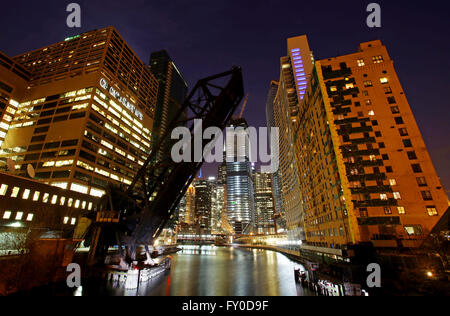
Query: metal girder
(146, 208)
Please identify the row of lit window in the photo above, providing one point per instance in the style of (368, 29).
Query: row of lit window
(375, 59)
(123, 115)
(7, 215)
(19, 216)
(46, 198)
(124, 128)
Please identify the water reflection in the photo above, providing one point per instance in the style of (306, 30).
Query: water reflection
(214, 271)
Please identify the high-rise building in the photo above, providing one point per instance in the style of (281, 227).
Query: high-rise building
(295, 70)
(84, 117)
(279, 213)
(13, 83)
(172, 93)
(218, 202)
(203, 204)
(366, 175)
(264, 203)
(240, 191)
(187, 207)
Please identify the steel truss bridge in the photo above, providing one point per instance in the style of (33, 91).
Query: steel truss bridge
(135, 216)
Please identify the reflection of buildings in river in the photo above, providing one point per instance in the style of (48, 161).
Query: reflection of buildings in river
(198, 250)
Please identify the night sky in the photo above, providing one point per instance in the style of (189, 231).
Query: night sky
(207, 37)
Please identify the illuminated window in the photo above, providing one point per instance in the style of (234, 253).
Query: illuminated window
(79, 107)
(66, 220)
(3, 189)
(432, 211)
(26, 194)
(333, 89)
(97, 193)
(371, 113)
(378, 59)
(64, 163)
(48, 164)
(113, 111)
(19, 216)
(77, 204)
(62, 185)
(397, 196)
(36, 196)
(79, 188)
(62, 201)
(46, 197)
(384, 80)
(368, 83)
(54, 199)
(90, 206)
(83, 205)
(7, 215)
(349, 86)
(401, 210)
(393, 182)
(102, 172)
(30, 217)
(121, 152)
(361, 63)
(383, 197)
(70, 202)
(85, 165)
(15, 192)
(415, 230)
(73, 221)
(106, 144)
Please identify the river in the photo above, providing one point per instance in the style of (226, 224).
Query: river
(211, 271)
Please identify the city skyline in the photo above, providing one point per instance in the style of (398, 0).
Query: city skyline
(155, 33)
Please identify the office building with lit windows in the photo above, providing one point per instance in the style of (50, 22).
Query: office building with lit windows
(264, 203)
(295, 70)
(13, 83)
(204, 189)
(239, 188)
(85, 116)
(366, 175)
(279, 213)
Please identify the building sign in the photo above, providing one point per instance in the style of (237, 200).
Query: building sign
(105, 85)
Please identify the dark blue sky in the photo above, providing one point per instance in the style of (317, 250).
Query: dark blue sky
(205, 37)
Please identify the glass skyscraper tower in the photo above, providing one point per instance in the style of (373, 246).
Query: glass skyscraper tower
(240, 193)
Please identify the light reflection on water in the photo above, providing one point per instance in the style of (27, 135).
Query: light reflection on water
(216, 271)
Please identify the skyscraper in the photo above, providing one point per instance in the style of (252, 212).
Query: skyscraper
(203, 204)
(240, 192)
(85, 114)
(264, 203)
(295, 70)
(279, 213)
(172, 93)
(366, 175)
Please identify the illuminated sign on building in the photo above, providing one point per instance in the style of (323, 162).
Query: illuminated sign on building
(105, 85)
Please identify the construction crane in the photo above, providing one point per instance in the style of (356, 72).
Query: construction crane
(135, 216)
(243, 107)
